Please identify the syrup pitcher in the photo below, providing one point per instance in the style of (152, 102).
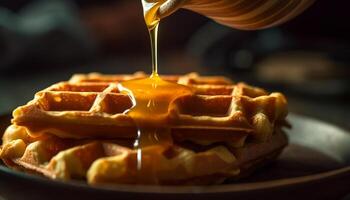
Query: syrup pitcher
(240, 14)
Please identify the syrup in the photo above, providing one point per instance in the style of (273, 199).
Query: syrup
(151, 97)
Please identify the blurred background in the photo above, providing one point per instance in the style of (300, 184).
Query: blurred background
(46, 41)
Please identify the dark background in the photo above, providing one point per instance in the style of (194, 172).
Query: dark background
(43, 42)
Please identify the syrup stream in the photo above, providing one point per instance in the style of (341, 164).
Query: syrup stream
(151, 98)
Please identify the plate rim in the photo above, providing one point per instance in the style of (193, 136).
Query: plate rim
(236, 187)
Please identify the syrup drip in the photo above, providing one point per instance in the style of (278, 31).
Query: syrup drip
(151, 98)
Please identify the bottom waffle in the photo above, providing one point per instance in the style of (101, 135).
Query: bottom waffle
(114, 161)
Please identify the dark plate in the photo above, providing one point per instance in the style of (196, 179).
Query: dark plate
(316, 165)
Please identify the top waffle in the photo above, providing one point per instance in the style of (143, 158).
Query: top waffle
(90, 106)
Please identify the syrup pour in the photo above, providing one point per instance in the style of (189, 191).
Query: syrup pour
(152, 96)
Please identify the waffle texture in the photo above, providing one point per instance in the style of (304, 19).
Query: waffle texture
(78, 130)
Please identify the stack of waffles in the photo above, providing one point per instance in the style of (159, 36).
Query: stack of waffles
(78, 129)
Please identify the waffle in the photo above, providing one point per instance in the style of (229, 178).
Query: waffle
(78, 130)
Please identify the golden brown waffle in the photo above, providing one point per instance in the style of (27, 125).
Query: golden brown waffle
(90, 106)
(114, 161)
(78, 129)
